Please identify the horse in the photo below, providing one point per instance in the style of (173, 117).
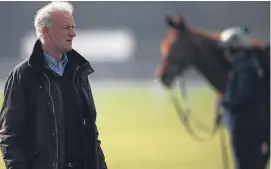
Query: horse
(185, 46)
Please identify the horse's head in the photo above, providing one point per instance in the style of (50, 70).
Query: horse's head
(177, 50)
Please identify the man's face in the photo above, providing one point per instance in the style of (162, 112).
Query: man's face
(230, 54)
(62, 31)
(233, 53)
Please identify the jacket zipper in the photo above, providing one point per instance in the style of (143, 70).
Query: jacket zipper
(54, 118)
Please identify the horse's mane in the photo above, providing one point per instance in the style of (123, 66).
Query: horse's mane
(258, 48)
(166, 42)
(212, 35)
(216, 35)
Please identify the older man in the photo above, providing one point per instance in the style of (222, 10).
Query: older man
(48, 115)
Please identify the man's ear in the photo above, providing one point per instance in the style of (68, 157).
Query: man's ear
(46, 32)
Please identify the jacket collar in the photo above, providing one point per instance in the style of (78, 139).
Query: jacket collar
(36, 61)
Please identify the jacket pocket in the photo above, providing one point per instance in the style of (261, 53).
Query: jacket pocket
(35, 160)
(32, 156)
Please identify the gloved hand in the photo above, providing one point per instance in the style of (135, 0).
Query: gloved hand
(218, 113)
(218, 119)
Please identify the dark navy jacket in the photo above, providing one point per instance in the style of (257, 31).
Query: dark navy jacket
(243, 94)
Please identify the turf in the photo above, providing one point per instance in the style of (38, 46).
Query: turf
(140, 129)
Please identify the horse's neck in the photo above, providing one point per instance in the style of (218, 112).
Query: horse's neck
(211, 62)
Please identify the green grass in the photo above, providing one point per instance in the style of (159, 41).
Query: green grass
(139, 129)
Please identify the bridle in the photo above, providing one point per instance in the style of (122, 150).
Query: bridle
(186, 117)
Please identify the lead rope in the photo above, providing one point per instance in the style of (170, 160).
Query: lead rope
(185, 117)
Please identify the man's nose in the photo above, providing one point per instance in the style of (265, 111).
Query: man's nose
(72, 33)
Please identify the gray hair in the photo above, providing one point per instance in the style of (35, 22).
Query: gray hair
(44, 15)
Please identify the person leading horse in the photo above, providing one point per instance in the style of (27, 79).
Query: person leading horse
(244, 99)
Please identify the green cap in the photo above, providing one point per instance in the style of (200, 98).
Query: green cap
(245, 29)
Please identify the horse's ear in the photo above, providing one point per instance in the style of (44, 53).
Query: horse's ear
(182, 23)
(169, 21)
(179, 24)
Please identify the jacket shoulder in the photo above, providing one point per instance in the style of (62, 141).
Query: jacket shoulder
(22, 67)
(20, 71)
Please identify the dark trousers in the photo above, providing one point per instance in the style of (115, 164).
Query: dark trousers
(247, 149)
(246, 145)
(266, 139)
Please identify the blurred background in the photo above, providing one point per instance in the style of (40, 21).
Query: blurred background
(138, 126)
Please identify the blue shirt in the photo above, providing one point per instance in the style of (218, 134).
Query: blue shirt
(53, 65)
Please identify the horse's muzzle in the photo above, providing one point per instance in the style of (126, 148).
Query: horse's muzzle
(167, 80)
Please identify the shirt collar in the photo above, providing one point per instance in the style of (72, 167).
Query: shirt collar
(51, 63)
(52, 60)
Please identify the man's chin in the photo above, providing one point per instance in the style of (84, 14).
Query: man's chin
(67, 49)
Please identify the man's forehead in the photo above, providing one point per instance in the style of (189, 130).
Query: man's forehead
(62, 16)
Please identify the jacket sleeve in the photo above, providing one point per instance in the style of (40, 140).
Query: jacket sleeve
(12, 121)
(101, 157)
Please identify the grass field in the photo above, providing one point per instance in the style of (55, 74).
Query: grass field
(139, 129)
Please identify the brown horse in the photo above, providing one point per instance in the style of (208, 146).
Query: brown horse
(185, 46)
